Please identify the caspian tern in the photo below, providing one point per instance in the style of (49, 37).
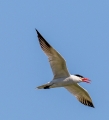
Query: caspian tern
(62, 78)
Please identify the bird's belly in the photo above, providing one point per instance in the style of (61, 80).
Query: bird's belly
(61, 82)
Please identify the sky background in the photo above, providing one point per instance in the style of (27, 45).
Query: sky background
(79, 31)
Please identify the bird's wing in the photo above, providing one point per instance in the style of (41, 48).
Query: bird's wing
(57, 62)
(81, 94)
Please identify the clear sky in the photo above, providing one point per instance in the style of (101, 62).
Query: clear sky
(79, 31)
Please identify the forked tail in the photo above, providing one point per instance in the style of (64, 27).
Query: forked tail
(45, 86)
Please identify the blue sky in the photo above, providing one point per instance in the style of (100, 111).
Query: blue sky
(79, 31)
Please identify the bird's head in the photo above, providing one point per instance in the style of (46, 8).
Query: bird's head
(80, 78)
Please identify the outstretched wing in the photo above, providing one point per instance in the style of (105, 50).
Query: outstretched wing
(57, 62)
(81, 94)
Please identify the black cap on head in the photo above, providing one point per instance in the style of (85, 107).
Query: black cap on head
(79, 75)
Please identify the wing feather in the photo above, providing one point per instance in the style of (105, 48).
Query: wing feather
(81, 94)
(57, 62)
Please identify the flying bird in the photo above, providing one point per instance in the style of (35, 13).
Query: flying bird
(62, 77)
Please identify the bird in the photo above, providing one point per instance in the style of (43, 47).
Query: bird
(62, 77)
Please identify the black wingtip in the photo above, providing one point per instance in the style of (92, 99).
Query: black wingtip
(93, 106)
(37, 31)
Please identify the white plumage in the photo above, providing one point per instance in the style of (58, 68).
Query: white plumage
(62, 78)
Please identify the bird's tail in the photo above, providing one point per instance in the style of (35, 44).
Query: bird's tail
(45, 86)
